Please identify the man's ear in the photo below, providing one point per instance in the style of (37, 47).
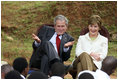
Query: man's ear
(25, 71)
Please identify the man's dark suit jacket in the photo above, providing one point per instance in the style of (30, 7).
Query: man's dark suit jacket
(45, 34)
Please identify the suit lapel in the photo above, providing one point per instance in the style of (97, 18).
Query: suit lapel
(63, 41)
(50, 34)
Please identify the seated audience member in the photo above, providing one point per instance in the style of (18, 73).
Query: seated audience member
(86, 74)
(52, 44)
(37, 75)
(5, 69)
(99, 74)
(109, 65)
(91, 48)
(57, 71)
(13, 75)
(20, 64)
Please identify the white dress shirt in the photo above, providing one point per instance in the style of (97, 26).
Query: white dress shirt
(22, 76)
(53, 41)
(99, 46)
(55, 77)
(99, 74)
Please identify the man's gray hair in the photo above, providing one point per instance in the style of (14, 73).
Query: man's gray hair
(60, 17)
(6, 68)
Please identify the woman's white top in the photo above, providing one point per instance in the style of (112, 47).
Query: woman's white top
(99, 46)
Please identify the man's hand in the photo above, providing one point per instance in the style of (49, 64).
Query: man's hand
(68, 44)
(95, 56)
(36, 38)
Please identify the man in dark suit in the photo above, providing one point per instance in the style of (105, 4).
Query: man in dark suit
(52, 44)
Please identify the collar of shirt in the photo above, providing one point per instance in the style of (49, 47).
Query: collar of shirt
(60, 36)
(53, 40)
(87, 36)
(22, 76)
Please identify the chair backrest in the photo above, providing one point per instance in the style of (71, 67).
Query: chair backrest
(104, 32)
(43, 26)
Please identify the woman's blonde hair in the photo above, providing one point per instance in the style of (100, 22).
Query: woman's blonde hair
(95, 19)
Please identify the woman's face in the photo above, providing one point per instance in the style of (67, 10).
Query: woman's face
(93, 30)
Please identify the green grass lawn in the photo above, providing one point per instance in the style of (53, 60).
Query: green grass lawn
(12, 49)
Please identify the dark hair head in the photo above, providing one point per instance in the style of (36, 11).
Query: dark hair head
(109, 64)
(95, 19)
(37, 75)
(86, 76)
(20, 64)
(13, 75)
(58, 69)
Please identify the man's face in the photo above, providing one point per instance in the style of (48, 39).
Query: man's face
(60, 27)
